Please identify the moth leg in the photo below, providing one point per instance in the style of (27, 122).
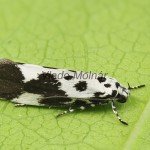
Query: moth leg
(116, 113)
(76, 107)
(65, 112)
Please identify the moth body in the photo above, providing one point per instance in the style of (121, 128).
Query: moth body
(28, 84)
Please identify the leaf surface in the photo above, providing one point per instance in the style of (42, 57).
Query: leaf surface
(90, 35)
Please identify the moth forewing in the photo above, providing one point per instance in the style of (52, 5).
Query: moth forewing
(28, 84)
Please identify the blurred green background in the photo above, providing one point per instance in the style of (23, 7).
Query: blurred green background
(112, 36)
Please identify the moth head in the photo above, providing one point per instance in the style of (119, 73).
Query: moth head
(123, 94)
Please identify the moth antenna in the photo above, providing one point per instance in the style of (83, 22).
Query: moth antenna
(135, 87)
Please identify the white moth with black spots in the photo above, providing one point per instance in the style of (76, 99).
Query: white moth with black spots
(27, 84)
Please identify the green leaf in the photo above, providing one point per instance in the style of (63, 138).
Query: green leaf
(91, 35)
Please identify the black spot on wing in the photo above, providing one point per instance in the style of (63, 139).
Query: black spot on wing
(10, 89)
(97, 94)
(46, 85)
(117, 85)
(87, 103)
(11, 79)
(80, 103)
(10, 71)
(69, 77)
(101, 79)
(56, 101)
(81, 86)
(47, 77)
(114, 92)
(107, 85)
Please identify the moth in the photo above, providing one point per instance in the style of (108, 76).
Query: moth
(28, 84)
